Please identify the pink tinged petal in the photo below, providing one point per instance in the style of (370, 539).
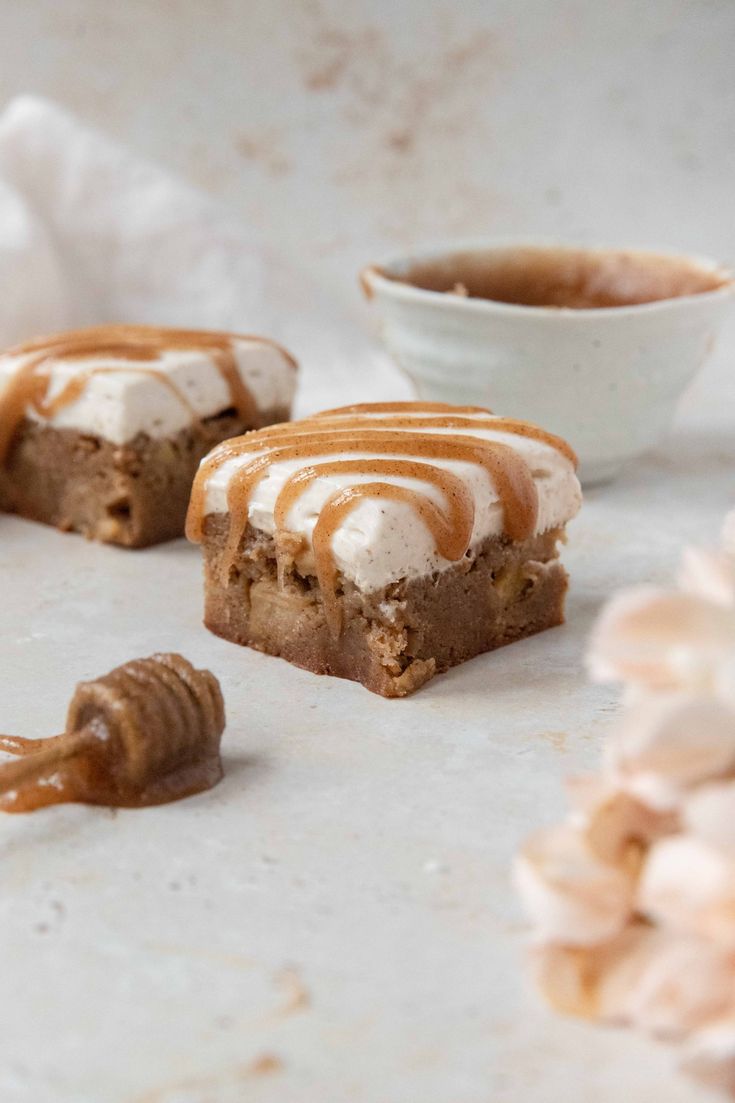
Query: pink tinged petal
(569, 894)
(568, 977)
(724, 681)
(594, 981)
(709, 575)
(690, 886)
(586, 791)
(709, 814)
(616, 825)
(665, 744)
(620, 965)
(669, 984)
(660, 639)
(710, 1054)
(664, 984)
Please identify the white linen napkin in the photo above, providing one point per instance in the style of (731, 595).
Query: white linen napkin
(91, 233)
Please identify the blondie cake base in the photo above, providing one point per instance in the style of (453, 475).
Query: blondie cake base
(393, 640)
(132, 494)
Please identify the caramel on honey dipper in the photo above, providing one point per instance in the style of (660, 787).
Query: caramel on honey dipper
(146, 733)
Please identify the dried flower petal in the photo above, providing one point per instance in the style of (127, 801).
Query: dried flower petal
(709, 813)
(568, 892)
(667, 743)
(633, 897)
(709, 575)
(669, 984)
(690, 886)
(661, 640)
(710, 1054)
(568, 977)
(616, 824)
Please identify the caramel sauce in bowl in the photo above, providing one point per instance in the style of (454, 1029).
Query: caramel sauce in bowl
(596, 345)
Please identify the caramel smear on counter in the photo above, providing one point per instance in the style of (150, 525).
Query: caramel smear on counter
(147, 733)
(388, 432)
(136, 347)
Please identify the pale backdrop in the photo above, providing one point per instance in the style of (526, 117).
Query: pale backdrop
(343, 129)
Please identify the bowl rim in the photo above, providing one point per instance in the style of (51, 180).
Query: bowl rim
(373, 280)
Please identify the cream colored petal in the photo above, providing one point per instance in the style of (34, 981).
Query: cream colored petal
(586, 791)
(569, 894)
(662, 983)
(666, 743)
(595, 981)
(660, 639)
(690, 886)
(567, 977)
(709, 1054)
(709, 814)
(668, 984)
(724, 681)
(708, 574)
(617, 826)
(620, 964)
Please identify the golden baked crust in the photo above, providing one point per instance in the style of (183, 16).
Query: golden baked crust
(395, 639)
(134, 494)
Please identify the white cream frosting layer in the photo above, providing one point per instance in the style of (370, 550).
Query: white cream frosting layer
(118, 404)
(382, 541)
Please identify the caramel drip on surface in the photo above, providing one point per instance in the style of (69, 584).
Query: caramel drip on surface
(19, 745)
(129, 344)
(396, 430)
(147, 733)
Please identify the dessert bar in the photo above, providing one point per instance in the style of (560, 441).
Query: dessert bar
(385, 543)
(102, 429)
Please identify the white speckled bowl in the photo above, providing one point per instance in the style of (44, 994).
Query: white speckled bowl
(608, 378)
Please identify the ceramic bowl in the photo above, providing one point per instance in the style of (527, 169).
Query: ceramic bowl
(594, 344)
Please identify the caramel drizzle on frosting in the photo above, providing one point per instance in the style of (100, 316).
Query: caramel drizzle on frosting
(396, 429)
(401, 408)
(451, 530)
(133, 346)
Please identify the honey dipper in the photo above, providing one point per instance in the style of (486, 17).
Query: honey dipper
(146, 733)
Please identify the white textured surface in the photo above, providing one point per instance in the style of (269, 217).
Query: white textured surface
(347, 130)
(382, 541)
(363, 843)
(117, 404)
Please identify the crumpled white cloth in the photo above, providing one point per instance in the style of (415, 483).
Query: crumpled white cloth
(90, 233)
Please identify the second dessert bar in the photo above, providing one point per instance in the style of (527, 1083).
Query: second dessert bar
(102, 429)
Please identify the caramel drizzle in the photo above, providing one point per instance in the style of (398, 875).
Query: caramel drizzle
(349, 424)
(401, 407)
(451, 530)
(146, 733)
(399, 428)
(134, 345)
